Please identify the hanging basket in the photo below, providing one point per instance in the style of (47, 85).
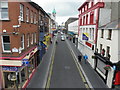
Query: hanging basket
(107, 67)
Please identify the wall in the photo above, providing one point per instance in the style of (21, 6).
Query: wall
(73, 27)
(113, 44)
(24, 29)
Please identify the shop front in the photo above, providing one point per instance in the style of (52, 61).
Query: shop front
(105, 69)
(16, 72)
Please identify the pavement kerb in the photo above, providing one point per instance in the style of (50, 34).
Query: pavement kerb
(90, 85)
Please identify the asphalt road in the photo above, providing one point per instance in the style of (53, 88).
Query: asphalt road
(64, 72)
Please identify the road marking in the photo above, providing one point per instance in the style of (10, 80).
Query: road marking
(81, 72)
(51, 67)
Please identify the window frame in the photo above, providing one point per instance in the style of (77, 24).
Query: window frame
(3, 48)
(102, 33)
(28, 40)
(109, 34)
(22, 12)
(27, 14)
(23, 42)
(1, 10)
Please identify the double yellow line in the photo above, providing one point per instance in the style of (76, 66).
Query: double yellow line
(51, 68)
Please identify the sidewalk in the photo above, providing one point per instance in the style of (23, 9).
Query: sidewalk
(92, 76)
(40, 77)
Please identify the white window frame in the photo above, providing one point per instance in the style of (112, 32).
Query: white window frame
(22, 42)
(28, 40)
(32, 38)
(22, 12)
(27, 14)
(31, 16)
(35, 17)
(35, 38)
(4, 7)
(3, 48)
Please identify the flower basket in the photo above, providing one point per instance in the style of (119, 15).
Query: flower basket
(107, 67)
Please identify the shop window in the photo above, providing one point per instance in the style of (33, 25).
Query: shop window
(102, 33)
(22, 12)
(109, 34)
(6, 43)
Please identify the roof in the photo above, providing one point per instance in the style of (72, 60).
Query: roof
(112, 25)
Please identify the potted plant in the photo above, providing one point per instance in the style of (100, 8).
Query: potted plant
(107, 67)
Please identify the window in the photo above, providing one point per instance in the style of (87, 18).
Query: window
(32, 39)
(4, 10)
(35, 37)
(28, 40)
(35, 18)
(27, 15)
(102, 33)
(21, 11)
(108, 52)
(22, 41)
(109, 34)
(101, 48)
(92, 33)
(6, 43)
(31, 17)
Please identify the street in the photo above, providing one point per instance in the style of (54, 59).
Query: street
(63, 70)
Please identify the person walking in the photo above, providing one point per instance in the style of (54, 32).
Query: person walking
(85, 58)
(79, 58)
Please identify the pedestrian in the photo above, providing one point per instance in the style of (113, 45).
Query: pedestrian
(85, 58)
(79, 58)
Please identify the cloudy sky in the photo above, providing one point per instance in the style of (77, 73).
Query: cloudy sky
(64, 8)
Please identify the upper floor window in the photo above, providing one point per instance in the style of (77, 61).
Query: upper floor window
(108, 52)
(28, 40)
(6, 43)
(35, 38)
(31, 16)
(21, 11)
(102, 33)
(32, 39)
(22, 41)
(27, 15)
(35, 17)
(4, 10)
(109, 34)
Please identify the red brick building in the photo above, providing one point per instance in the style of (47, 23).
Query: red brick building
(18, 43)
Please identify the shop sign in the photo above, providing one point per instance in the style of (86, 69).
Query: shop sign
(7, 68)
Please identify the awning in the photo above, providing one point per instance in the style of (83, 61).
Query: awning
(71, 33)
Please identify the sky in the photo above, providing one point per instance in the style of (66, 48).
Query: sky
(64, 8)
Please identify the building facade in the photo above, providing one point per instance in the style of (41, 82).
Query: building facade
(94, 14)
(108, 52)
(88, 28)
(19, 42)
